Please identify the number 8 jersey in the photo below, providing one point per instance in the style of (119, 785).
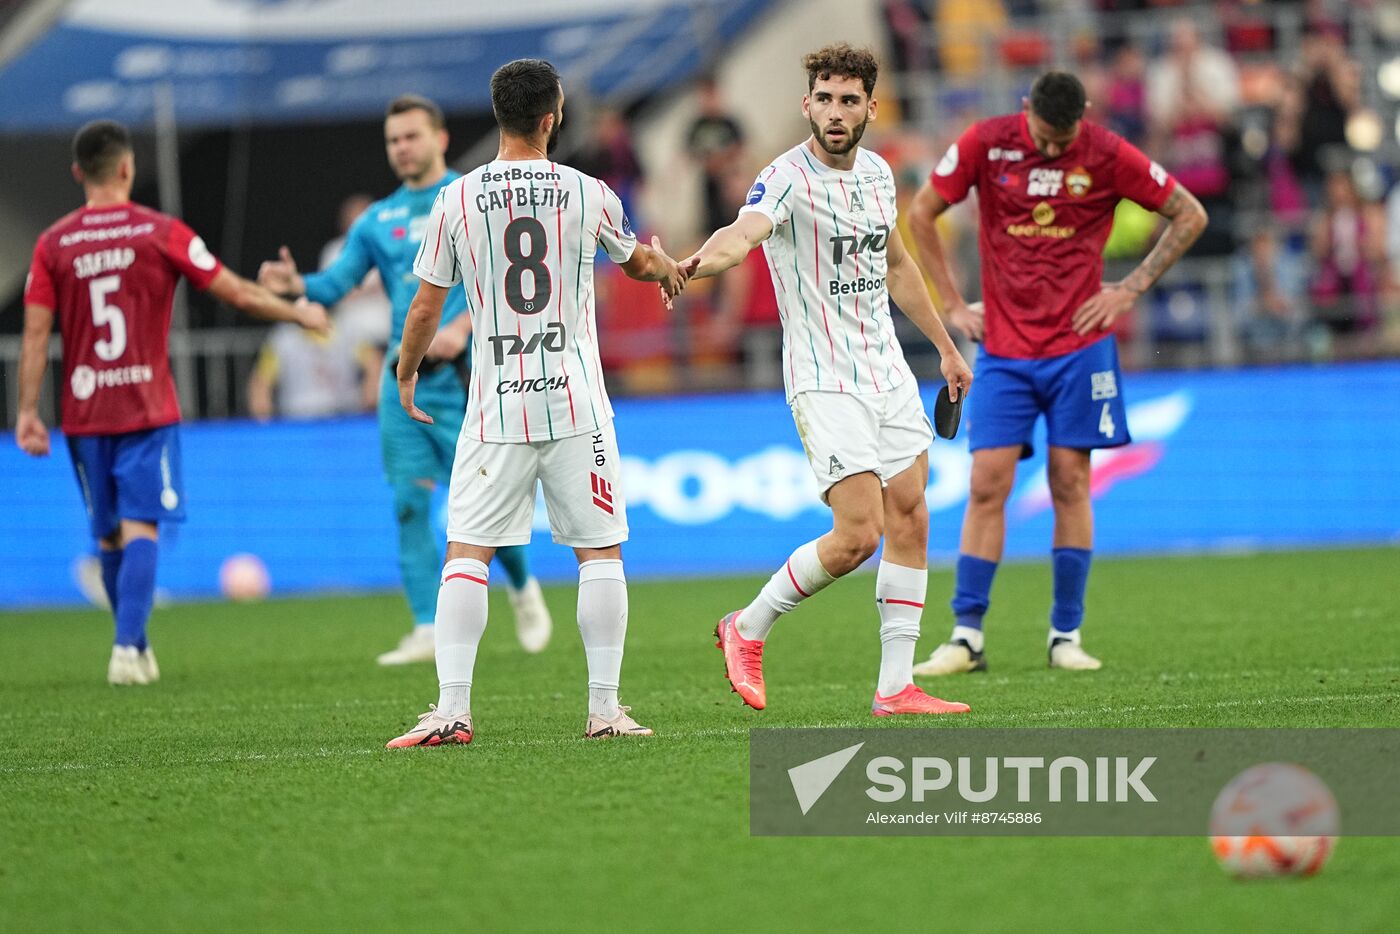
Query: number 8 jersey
(520, 237)
(109, 275)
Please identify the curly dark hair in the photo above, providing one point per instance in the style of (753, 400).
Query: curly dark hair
(842, 61)
(1057, 97)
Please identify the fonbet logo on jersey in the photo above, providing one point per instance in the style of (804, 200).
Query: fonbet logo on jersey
(1044, 183)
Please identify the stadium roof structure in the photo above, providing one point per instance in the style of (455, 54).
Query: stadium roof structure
(231, 62)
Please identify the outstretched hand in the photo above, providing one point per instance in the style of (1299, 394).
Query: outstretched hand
(313, 317)
(675, 277)
(280, 275)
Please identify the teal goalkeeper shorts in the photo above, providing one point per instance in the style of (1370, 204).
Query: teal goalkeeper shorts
(412, 450)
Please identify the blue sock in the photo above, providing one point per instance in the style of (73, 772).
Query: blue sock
(1071, 577)
(111, 563)
(420, 562)
(136, 591)
(973, 591)
(517, 564)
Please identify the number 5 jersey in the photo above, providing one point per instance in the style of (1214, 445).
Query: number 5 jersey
(109, 275)
(520, 237)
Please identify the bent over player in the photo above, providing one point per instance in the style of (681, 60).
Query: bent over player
(825, 214)
(108, 272)
(519, 235)
(1047, 184)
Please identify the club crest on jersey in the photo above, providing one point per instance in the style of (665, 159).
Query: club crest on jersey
(756, 193)
(1079, 181)
(857, 202)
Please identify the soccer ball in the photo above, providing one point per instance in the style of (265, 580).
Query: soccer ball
(244, 577)
(1274, 819)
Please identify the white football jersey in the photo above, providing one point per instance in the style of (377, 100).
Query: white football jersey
(520, 237)
(827, 257)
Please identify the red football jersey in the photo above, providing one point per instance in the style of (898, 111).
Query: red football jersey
(1043, 225)
(109, 274)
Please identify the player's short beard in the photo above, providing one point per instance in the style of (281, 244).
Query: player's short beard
(554, 134)
(853, 135)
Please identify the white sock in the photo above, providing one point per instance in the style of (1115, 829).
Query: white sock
(800, 577)
(899, 596)
(602, 621)
(461, 619)
(973, 637)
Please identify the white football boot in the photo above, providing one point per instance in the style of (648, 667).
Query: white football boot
(1065, 652)
(533, 623)
(418, 646)
(126, 666)
(148, 664)
(952, 658)
(600, 727)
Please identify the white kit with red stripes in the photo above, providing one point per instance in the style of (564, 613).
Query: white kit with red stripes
(827, 257)
(520, 236)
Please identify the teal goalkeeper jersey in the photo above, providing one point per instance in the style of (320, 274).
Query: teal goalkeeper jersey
(386, 237)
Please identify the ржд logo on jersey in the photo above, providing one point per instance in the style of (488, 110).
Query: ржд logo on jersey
(841, 247)
(512, 345)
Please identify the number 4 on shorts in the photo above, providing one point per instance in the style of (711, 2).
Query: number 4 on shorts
(1106, 427)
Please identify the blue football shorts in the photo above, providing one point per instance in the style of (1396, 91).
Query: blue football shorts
(135, 475)
(1080, 395)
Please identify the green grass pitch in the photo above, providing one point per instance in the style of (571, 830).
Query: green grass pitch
(250, 791)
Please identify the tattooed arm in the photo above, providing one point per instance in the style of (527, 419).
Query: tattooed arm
(1186, 221)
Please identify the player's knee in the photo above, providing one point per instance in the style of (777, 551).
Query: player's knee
(1069, 485)
(990, 489)
(855, 544)
(908, 530)
(412, 502)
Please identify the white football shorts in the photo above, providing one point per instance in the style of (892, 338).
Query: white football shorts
(846, 433)
(491, 500)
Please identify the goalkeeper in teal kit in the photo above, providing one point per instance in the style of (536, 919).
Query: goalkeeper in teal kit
(417, 457)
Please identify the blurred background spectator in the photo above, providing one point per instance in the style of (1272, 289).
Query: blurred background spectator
(715, 141)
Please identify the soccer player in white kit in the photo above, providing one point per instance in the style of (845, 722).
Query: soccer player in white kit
(519, 234)
(824, 212)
